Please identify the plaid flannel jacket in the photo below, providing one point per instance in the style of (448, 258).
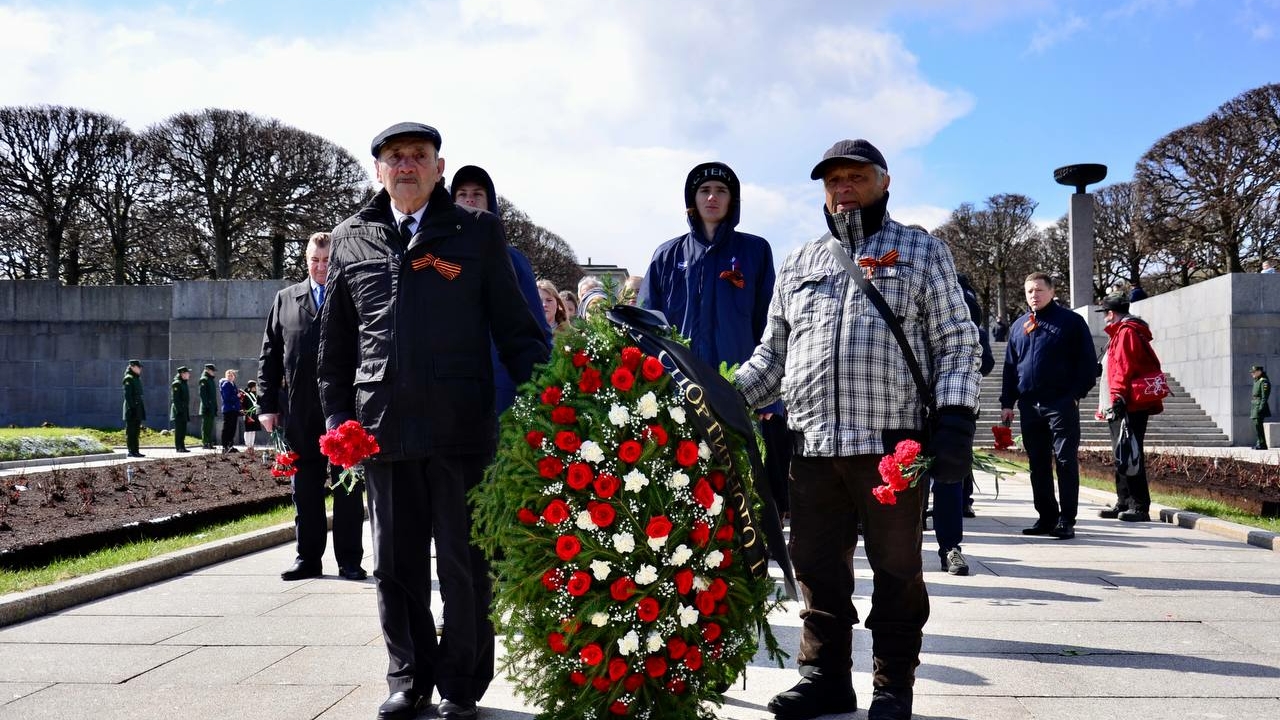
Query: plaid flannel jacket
(833, 360)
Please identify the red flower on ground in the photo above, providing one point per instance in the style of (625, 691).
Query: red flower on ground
(591, 655)
(550, 467)
(623, 379)
(652, 369)
(606, 486)
(568, 441)
(555, 512)
(580, 476)
(622, 589)
(552, 395)
(579, 583)
(567, 547)
(659, 526)
(686, 453)
(631, 357)
(564, 416)
(647, 609)
(630, 451)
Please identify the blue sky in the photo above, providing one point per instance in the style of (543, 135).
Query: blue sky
(589, 114)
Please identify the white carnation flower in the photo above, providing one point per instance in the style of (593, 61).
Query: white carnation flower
(700, 583)
(654, 642)
(624, 543)
(646, 575)
(704, 452)
(677, 414)
(647, 407)
(584, 521)
(599, 619)
(717, 505)
(680, 556)
(634, 481)
(688, 615)
(678, 480)
(629, 643)
(600, 569)
(714, 558)
(592, 452)
(656, 544)
(619, 416)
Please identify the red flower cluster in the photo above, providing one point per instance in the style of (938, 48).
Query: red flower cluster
(900, 471)
(1003, 435)
(283, 465)
(347, 446)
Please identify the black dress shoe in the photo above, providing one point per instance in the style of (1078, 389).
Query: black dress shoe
(1038, 529)
(460, 710)
(1063, 531)
(1136, 516)
(890, 703)
(136, 454)
(352, 572)
(814, 695)
(968, 511)
(403, 705)
(182, 450)
(301, 570)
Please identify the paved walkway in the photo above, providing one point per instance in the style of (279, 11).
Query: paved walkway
(1126, 621)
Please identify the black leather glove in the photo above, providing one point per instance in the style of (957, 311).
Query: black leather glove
(1118, 406)
(952, 444)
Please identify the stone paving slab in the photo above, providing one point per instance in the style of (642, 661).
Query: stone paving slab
(67, 663)
(101, 630)
(281, 631)
(143, 702)
(214, 665)
(155, 602)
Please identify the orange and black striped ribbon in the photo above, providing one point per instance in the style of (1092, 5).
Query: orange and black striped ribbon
(888, 259)
(447, 269)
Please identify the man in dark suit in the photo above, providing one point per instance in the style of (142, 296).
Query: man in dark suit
(287, 376)
(417, 287)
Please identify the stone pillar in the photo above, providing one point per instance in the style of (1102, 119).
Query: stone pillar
(1080, 220)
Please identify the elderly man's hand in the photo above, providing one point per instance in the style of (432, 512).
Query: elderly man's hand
(952, 444)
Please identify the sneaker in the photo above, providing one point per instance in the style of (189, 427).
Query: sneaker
(1112, 512)
(890, 703)
(1135, 516)
(815, 695)
(953, 562)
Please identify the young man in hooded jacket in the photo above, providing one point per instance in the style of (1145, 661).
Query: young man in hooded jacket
(714, 285)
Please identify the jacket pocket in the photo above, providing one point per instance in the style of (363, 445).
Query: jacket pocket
(816, 299)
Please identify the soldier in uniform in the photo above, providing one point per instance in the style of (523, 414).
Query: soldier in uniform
(134, 411)
(180, 407)
(208, 406)
(1260, 409)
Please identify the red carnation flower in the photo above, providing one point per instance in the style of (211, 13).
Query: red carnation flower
(550, 467)
(553, 579)
(580, 476)
(606, 486)
(711, 631)
(677, 648)
(705, 602)
(590, 381)
(658, 433)
(717, 479)
(891, 473)
(629, 451)
(718, 588)
(567, 547)
(556, 642)
(703, 494)
(535, 438)
(647, 609)
(623, 379)
(631, 357)
(526, 516)
(592, 655)
(684, 581)
(564, 416)
(579, 583)
(655, 666)
(659, 526)
(686, 453)
(700, 533)
(602, 514)
(617, 669)
(677, 686)
(726, 558)
(568, 441)
(725, 533)
(633, 683)
(580, 358)
(906, 451)
(693, 659)
(577, 678)
(617, 707)
(552, 395)
(652, 369)
(555, 512)
(622, 589)
(601, 684)
(885, 495)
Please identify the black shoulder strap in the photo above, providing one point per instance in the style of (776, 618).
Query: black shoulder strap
(926, 394)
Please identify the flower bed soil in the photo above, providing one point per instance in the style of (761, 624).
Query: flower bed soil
(70, 511)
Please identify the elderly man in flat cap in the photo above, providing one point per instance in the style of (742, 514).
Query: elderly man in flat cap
(833, 358)
(417, 286)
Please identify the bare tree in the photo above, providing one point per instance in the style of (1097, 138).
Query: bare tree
(995, 245)
(122, 203)
(49, 158)
(548, 253)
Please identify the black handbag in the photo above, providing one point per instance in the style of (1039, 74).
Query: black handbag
(1128, 454)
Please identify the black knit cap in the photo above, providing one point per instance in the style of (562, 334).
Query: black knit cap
(410, 129)
(859, 151)
(707, 172)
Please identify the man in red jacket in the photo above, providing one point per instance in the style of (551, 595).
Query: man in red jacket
(1128, 356)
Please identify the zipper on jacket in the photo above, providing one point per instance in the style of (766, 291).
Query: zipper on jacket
(835, 367)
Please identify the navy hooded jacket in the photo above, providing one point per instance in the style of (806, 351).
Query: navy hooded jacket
(504, 388)
(693, 281)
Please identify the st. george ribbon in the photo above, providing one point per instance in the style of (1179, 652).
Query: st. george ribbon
(713, 405)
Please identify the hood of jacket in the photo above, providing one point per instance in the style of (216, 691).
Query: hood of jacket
(1131, 322)
(475, 174)
(691, 209)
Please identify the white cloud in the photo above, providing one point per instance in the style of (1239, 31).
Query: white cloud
(587, 114)
(1054, 32)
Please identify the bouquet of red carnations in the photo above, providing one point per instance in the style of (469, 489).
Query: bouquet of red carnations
(900, 470)
(347, 446)
(284, 463)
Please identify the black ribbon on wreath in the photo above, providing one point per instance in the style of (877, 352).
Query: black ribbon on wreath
(715, 404)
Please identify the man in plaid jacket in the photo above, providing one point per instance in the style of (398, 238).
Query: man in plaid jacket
(833, 360)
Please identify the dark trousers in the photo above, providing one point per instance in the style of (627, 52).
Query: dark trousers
(310, 519)
(829, 496)
(1051, 435)
(1259, 432)
(206, 430)
(230, 423)
(132, 429)
(408, 502)
(180, 433)
(1132, 492)
(777, 459)
(948, 515)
